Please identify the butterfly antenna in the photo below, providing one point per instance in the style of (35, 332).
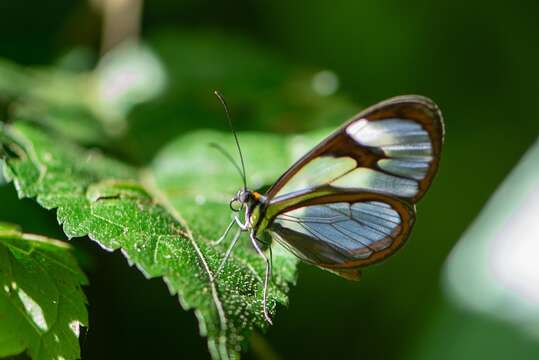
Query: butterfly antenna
(223, 102)
(228, 156)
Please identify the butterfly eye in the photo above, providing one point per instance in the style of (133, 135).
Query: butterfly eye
(235, 205)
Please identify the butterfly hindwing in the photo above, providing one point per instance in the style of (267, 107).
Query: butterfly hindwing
(340, 232)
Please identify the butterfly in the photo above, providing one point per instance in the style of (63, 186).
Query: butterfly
(350, 201)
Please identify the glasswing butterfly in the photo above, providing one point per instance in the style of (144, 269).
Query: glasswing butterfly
(350, 201)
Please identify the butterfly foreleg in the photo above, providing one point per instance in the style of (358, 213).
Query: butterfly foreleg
(254, 241)
(229, 251)
(237, 221)
(220, 240)
(243, 226)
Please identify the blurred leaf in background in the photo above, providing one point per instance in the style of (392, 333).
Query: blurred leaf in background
(264, 91)
(89, 107)
(53, 98)
(502, 247)
(491, 278)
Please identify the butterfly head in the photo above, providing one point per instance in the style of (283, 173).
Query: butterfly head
(245, 197)
(239, 200)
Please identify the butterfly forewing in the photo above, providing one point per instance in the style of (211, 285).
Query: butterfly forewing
(391, 148)
(349, 201)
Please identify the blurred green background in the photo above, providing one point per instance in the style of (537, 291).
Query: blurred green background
(476, 59)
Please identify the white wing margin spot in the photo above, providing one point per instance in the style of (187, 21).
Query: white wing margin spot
(408, 150)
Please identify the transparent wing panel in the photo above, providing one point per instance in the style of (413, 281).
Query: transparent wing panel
(318, 172)
(402, 151)
(337, 233)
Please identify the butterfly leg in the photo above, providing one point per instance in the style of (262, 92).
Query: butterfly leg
(266, 278)
(242, 226)
(271, 261)
(220, 240)
(229, 251)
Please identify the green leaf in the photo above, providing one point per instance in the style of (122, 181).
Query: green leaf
(163, 217)
(42, 305)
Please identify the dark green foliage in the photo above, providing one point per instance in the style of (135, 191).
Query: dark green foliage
(42, 306)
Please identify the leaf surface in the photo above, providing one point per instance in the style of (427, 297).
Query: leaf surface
(164, 217)
(42, 305)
